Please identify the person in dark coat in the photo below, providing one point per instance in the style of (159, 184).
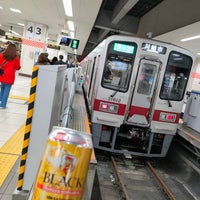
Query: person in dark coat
(60, 61)
(54, 60)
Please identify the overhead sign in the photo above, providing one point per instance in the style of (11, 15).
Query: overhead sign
(52, 46)
(74, 44)
(13, 38)
(35, 31)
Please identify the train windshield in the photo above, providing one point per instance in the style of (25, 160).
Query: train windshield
(176, 76)
(118, 66)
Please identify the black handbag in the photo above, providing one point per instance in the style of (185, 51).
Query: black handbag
(1, 70)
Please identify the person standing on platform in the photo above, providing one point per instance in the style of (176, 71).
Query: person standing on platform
(54, 60)
(60, 61)
(42, 59)
(70, 62)
(9, 63)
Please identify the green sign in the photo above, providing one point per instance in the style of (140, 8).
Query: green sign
(124, 48)
(74, 44)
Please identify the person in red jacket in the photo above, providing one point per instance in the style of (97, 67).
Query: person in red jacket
(9, 62)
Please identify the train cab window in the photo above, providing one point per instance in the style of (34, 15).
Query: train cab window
(116, 75)
(176, 76)
(118, 66)
(146, 79)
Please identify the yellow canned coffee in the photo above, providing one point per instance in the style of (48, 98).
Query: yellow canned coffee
(63, 170)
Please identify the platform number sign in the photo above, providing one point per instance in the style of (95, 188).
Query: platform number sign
(35, 31)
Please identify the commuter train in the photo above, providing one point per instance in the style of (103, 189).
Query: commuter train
(134, 89)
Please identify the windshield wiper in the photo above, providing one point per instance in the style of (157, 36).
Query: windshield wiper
(169, 103)
(118, 89)
(114, 93)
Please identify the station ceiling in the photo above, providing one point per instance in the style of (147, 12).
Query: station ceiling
(94, 19)
(118, 17)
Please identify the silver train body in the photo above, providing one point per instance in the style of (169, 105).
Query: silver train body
(134, 89)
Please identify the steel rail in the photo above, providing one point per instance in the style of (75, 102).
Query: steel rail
(163, 186)
(119, 179)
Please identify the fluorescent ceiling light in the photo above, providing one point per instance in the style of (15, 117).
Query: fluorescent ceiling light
(1, 7)
(198, 53)
(190, 38)
(20, 24)
(68, 8)
(14, 32)
(15, 10)
(70, 25)
(72, 34)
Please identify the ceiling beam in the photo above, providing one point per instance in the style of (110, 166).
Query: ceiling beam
(102, 34)
(128, 24)
(115, 30)
(121, 9)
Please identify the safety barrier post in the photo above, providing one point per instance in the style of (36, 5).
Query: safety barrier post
(27, 127)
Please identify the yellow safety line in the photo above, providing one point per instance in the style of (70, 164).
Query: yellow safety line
(10, 152)
(87, 126)
(18, 97)
(87, 130)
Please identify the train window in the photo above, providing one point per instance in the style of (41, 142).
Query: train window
(176, 76)
(118, 65)
(116, 75)
(146, 79)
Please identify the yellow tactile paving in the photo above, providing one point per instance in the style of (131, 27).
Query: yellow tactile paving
(19, 97)
(10, 152)
(7, 161)
(14, 144)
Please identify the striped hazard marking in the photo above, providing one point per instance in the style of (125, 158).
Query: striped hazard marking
(27, 127)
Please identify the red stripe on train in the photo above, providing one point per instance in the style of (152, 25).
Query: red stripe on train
(139, 111)
(121, 107)
(135, 110)
(156, 116)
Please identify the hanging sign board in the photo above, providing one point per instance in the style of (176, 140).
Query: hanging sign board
(35, 31)
(13, 38)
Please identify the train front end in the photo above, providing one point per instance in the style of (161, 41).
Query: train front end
(137, 95)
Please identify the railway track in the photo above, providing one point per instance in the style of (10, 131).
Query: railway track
(130, 179)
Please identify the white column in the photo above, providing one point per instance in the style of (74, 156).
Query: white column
(33, 43)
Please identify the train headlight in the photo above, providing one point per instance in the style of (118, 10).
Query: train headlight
(107, 107)
(104, 106)
(167, 117)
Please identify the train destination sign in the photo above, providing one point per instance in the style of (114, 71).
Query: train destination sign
(125, 48)
(154, 48)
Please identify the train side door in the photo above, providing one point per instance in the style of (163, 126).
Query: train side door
(140, 104)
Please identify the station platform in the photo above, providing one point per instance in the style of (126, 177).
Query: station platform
(12, 124)
(192, 136)
(12, 127)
